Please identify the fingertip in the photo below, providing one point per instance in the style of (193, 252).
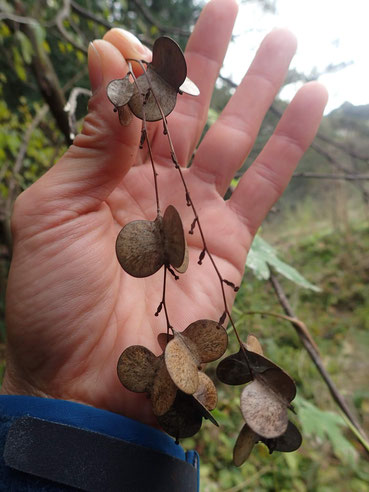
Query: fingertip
(314, 91)
(128, 44)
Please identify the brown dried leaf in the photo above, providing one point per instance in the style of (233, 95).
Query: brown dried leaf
(136, 368)
(244, 445)
(181, 364)
(174, 240)
(264, 410)
(183, 419)
(120, 91)
(140, 248)
(169, 62)
(209, 337)
(163, 392)
(287, 442)
(153, 89)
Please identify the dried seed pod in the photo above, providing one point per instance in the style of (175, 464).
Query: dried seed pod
(188, 87)
(139, 370)
(182, 364)
(235, 369)
(120, 91)
(183, 419)
(210, 338)
(244, 445)
(175, 246)
(144, 246)
(202, 341)
(153, 90)
(287, 442)
(169, 62)
(154, 93)
(253, 345)
(136, 368)
(264, 402)
(206, 397)
(163, 391)
(206, 393)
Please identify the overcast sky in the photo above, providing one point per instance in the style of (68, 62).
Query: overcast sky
(328, 32)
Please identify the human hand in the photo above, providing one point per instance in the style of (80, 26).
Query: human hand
(71, 309)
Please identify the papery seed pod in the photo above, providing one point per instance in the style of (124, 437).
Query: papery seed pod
(235, 369)
(264, 402)
(202, 341)
(287, 442)
(137, 367)
(163, 391)
(183, 419)
(244, 445)
(120, 91)
(182, 364)
(144, 246)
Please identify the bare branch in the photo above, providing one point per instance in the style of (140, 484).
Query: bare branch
(71, 108)
(17, 18)
(61, 16)
(344, 148)
(346, 177)
(314, 355)
(88, 15)
(161, 27)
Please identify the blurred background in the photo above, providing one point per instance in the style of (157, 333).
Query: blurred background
(313, 246)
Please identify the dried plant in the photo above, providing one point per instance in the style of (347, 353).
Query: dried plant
(180, 393)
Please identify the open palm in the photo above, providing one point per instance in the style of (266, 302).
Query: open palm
(71, 308)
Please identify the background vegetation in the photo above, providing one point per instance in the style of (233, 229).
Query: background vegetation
(320, 227)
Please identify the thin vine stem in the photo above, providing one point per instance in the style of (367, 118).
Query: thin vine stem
(163, 304)
(191, 204)
(144, 132)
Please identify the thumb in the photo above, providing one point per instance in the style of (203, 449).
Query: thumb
(105, 150)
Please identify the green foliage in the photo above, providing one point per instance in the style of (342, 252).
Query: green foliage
(262, 256)
(330, 458)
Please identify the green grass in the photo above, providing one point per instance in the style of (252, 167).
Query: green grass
(330, 459)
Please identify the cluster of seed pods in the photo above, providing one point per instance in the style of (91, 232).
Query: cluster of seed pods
(180, 392)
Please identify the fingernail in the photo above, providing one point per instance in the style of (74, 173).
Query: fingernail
(136, 44)
(94, 68)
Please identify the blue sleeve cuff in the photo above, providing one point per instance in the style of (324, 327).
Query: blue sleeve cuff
(91, 419)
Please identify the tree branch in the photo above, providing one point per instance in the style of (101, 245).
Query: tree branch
(60, 17)
(314, 355)
(346, 177)
(88, 15)
(161, 27)
(71, 107)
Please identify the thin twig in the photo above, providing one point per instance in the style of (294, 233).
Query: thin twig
(345, 177)
(60, 17)
(161, 27)
(89, 15)
(71, 108)
(301, 328)
(314, 355)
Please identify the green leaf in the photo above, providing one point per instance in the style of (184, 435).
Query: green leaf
(25, 46)
(262, 256)
(326, 425)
